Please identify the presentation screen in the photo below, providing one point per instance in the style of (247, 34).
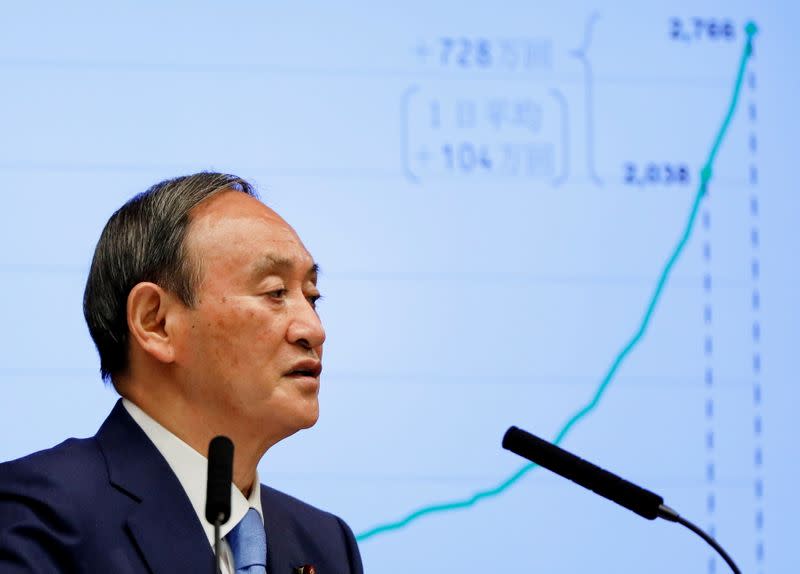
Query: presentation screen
(576, 218)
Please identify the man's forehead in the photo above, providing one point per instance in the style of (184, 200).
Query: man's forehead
(244, 220)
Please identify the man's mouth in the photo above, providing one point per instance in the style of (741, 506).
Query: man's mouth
(306, 368)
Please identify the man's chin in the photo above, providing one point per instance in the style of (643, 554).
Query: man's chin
(311, 418)
(305, 418)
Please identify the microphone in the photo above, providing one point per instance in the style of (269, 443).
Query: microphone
(218, 488)
(607, 484)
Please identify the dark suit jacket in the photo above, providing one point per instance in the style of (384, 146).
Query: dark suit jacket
(111, 504)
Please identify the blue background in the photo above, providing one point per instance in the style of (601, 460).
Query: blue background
(460, 174)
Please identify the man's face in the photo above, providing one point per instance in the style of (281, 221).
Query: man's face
(252, 344)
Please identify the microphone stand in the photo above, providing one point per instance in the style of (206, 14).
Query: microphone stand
(667, 513)
(217, 545)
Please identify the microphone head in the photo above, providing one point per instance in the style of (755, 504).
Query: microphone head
(220, 474)
(513, 437)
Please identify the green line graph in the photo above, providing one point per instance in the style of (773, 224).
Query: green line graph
(705, 176)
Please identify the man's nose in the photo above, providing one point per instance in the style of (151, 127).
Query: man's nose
(305, 328)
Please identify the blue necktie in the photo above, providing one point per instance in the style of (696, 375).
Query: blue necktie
(248, 542)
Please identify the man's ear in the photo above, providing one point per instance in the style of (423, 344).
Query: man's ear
(152, 317)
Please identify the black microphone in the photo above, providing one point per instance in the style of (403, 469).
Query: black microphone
(641, 501)
(218, 487)
(609, 485)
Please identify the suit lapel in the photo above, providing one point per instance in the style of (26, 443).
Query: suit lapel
(284, 552)
(163, 525)
(168, 542)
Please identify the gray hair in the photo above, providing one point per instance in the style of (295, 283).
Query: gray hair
(144, 240)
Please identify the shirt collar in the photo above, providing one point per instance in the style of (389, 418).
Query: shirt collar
(191, 468)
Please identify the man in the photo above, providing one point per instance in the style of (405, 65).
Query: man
(201, 302)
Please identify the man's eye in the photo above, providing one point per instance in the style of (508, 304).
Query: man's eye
(313, 299)
(277, 293)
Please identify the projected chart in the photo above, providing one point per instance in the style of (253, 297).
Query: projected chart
(579, 221)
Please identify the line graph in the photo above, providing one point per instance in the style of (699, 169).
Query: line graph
(706, 173)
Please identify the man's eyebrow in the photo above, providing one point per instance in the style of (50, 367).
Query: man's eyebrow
(270, 264)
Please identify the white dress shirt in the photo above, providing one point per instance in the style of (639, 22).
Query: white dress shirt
(191, 468)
